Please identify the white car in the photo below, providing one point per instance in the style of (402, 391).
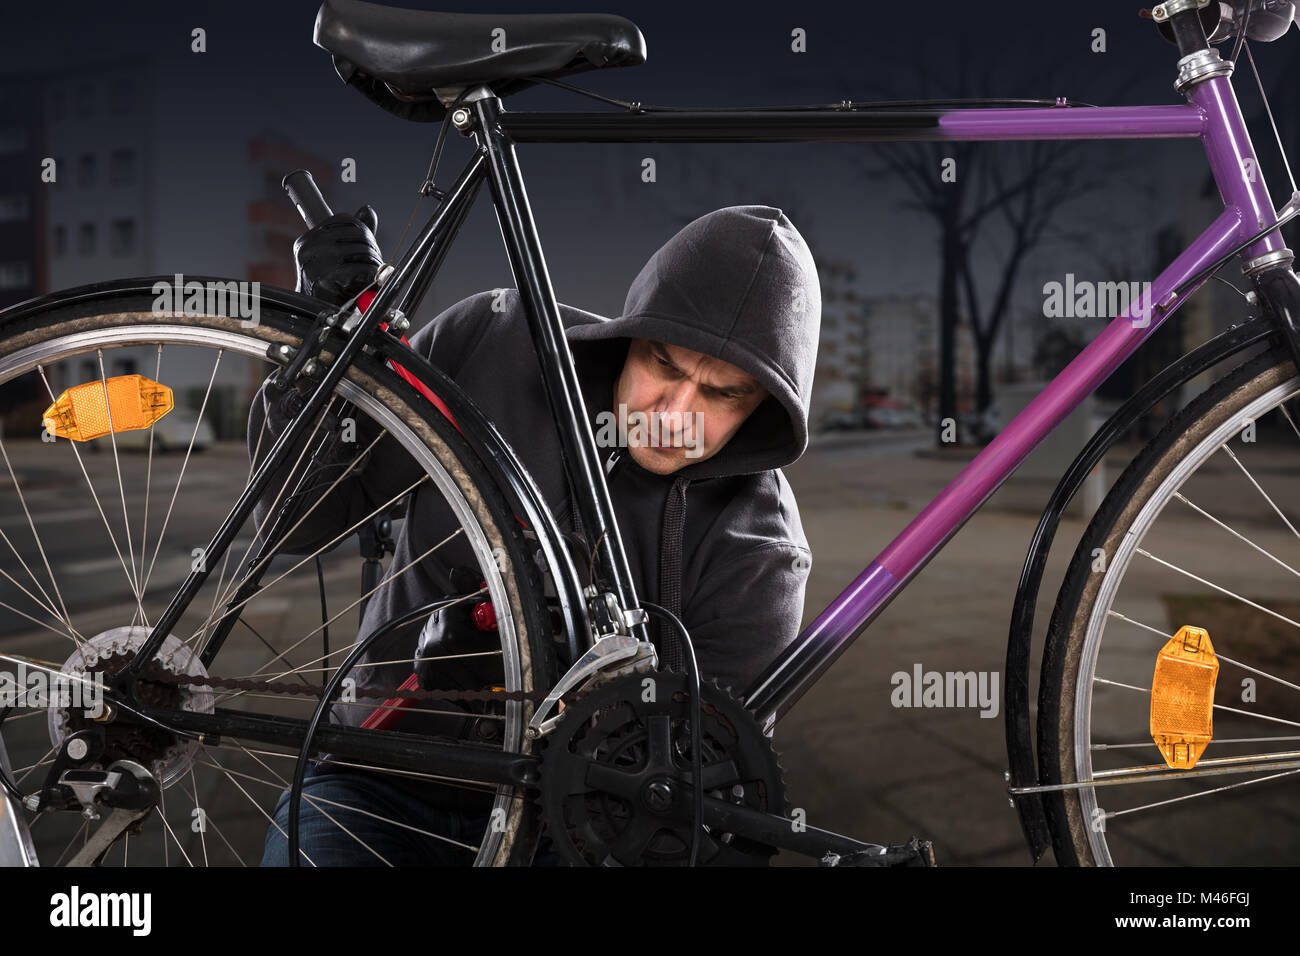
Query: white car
(172, 432)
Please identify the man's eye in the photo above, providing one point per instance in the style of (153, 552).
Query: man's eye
(664, 362)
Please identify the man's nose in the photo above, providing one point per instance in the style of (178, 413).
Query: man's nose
(678, 397)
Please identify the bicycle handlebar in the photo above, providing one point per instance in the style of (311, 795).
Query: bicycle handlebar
(302, 190)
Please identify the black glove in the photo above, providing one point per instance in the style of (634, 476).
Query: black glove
(452, 630)
(338, 257)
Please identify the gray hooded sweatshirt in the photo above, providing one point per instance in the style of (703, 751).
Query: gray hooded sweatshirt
(718, 542)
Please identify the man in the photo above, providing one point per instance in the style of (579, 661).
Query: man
(713, 357)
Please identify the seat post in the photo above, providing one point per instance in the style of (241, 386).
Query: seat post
(560, 378)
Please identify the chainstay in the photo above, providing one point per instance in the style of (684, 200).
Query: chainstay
(316, 690)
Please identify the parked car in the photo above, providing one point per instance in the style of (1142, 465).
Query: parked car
(172, 432)
(892, 418)
(843, 422)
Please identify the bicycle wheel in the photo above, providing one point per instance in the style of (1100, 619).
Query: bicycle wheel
(92, 548)
(1199, 531)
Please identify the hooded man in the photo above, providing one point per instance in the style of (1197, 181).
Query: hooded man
(713, 357)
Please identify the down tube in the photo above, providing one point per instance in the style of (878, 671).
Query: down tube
(786, 679)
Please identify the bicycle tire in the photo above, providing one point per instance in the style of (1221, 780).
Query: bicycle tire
(72, 323)
(1120, 530)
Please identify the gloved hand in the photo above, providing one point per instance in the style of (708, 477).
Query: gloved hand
(457, 629)
(338, 257)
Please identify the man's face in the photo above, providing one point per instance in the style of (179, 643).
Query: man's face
(688, 403)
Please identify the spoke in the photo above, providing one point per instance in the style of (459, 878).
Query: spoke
(216, 595)
(271, 820)
(47, 627)
(320, 500)
(43, 606)
(250, 695)
(386, 580)
(1222, 657)
(324, 496)
(184, 464)
(98, 507)
(269, 646)
(85, 826)
(352, 645)
(325, 813)
(121, 487)
(1202, 793)
(263, 588)
(354, 809)
(1287, 415)
(266, 766)
(1221, 590)
(344, 806)
(32, 525)
(396, 823)
(1225, 740)
(1231, 710)
(148, 471)
(1265, 553)
(27, 771)
(408, 660)
(1251, 479)
(285, 785)
(294, 478)
(162, 815)
(215, 829)
(168, 827)
(44, 666)
(202, 817)
(459, 783)
(225, 561)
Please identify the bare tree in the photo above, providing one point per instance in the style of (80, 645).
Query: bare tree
(994, 204)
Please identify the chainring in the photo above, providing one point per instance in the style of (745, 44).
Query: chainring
(616, 774)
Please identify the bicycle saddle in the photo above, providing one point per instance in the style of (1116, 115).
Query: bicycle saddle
(414, 62)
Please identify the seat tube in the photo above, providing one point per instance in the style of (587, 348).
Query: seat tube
(560, 378)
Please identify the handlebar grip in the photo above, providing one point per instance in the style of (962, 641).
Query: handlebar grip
(303, 192)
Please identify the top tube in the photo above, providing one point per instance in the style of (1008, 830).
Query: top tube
(858, 126)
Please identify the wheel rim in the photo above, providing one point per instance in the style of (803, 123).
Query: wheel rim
(96, 343)
(1134, 544)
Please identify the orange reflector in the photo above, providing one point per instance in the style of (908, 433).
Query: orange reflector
(1182, 697)
(120, 404)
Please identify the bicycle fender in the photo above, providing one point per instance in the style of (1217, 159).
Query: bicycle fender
(481, 435)
(1021, 756)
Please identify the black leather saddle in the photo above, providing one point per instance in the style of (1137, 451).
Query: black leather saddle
(399, 58)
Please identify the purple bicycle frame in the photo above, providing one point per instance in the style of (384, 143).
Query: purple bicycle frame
(1213, 115)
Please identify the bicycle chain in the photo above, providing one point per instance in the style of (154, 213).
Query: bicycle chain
(316, 690)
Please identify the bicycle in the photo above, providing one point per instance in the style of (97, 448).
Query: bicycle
(612, 774)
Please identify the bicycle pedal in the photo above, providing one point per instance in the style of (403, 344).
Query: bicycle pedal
(1182, 697)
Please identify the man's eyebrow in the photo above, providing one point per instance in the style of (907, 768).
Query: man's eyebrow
(744, 388)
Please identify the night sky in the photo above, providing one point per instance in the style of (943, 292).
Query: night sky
(262, 71)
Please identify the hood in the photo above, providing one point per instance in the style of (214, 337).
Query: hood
(739, 284)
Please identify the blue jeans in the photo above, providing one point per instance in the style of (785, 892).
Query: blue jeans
(326, 843)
